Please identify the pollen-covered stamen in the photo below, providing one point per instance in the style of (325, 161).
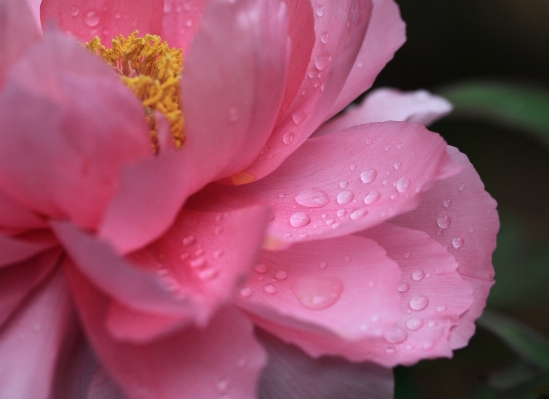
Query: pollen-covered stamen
(152, 71)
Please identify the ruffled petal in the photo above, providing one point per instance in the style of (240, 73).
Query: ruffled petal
(342, 182)
(18, 32)
(222, 359)
(232, 87)
(31, 341)
(386, 33)
(339, 28)
(459, 214)
(14, 215)
(182, 20)
(291, 374)
(390, 105)
(69, 126)
(106, 19)
(18, 248)
(17, 281)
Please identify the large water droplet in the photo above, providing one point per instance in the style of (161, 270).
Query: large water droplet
(317, 292)
(312, 198)
(344, 197)
(417, 275)
(246, 292)
(261, 268)
(341, 212)
(414, 323)
(443, 220)
(403, 184)
(395, 335)
(287, 138)
(74, 11)
(457, 242)
(91, 18)
(324, 37)
(320, 10)
(298, 117)
(368, 175)
(371, 197)
(322, 61)
(281, 275)
(300, 219)
(419, 302)
(358, 214)
(270, 289)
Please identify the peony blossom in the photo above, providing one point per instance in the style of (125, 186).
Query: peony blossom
(251, 240)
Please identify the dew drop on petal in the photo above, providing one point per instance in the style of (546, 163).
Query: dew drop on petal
(281, 275)
(371, 197)
(443, 220)
(419, 302)
(368, 175)
(222, 386)
(208, 274)
(312, 198)
(287, 138)
(343, 184)
(189, 240)
(317, 292)
(300, 219)
(447, 202)
(261, 268)
(91, 18)
(324, 37)
(270, 289)
(344, 197)
(417, 275)
(403, 184)
(298, 117)
(414, 323)
(341, 212)
(395, 335)
(403, 286)
(323, 265)
(246, 292)
(441, 308)
(358, 214)
(457, 242)
(74, 11)
(320, 10)
(322, 61)
(407, 255)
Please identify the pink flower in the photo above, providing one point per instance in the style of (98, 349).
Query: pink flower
(347, 236)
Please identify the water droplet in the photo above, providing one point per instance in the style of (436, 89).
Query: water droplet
(281, 195)
(261, 268)
(74, 11)
(417, 275)
(91, 18)
(323, 265)
(446, 203)
(287, 138)
(117, 15)
(403, 286)
(246, 292)
(403, 184)
(324, 37)
(419, 302)
(395, 335)
(471, 229)
(368, 175)
(298, 117)
(222, 386)
(414, 323)
(397, 165)
(199, 252)
(197, 263)
(281, 275)
(320, 10)
(218, 230)
(218, 253)
(341, 212)
(189, 23)
(385, 182)
(358, 214)
(441, 308)
(427, 345)
(329, 222)
(300, 219)
(317, 292)
(443, 220)
(264, 150)
(208, 274)
(390, 350)
(371, 197)
(394, 196)
(322, 61)
(270, 289)
(188, 6)
(344, 184)
(352, 166)
(233, 114)
(461, 187)
(312, 198)
(407, 255)
(457, 242)
(189, 240)
(344, 197)
(432, 323)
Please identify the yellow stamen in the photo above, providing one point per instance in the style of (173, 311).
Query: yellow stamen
(152, 71)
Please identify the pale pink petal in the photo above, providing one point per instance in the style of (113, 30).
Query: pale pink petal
(17, 281)
(332, 288)
(386, 33)
(182, 20)
(291, 374)
(459, 214)
(345, 22)
(16, 216)
(32, 339)
(17, 32)
(342, 182)
(205, 256)
(18, 248)
(390, 105)
(77, 116)
(231, 86)
(86, 19)
(222, 359)
(103, 387)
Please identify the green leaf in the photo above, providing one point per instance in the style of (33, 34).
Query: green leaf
(513, 105)
(529, 345)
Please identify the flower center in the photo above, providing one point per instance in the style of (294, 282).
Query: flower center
(152, 71)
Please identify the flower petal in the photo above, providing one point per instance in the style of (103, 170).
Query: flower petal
(390, 105)
(182, 20)
(205, 256)
(17, 33)
(86, 19)
(18, 248)
(459, 214)
(231, 86)
(342, 182)
(344, 23)
(16, 216)
(103, 387)
(386, 33)
(31, 340)
(223, 358)
(291, 374)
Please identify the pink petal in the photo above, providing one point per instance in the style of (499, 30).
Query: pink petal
(17, 33)
(194, 363)
(331, 288)
(80, 125)
(386, 33)
(343, 182)
(103, 387)
(18, 248)
(345, 23)
(86, 19)
(15, 215)
(231, 86)
(205, 256)
(390, 105)
(30, 343)
(17, 281)
(459, 214)
(182, 20)
(291, 374)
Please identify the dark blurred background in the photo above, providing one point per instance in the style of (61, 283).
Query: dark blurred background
(454, 41)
